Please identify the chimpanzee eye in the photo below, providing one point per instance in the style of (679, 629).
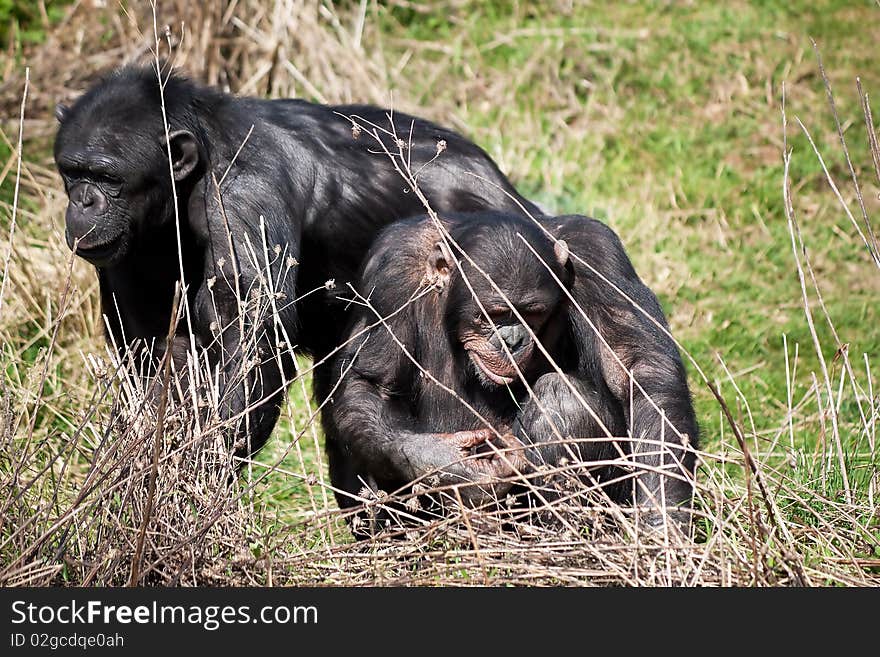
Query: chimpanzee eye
(107, 179)
(71, 175)
(501, 316)
(109, 183)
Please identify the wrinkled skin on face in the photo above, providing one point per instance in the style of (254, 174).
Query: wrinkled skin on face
(118, 189)
(501, 302)
(493, 364)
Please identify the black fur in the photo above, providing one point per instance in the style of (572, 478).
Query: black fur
(387, 425)
(322, 195)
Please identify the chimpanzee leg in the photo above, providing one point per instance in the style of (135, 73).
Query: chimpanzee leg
(344, 475)
(556, 414)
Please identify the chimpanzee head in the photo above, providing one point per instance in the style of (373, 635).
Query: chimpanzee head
(111, 152)
(496, 341)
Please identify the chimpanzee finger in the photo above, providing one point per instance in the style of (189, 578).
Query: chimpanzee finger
(469, 439)
(514, 451)
(494, 467)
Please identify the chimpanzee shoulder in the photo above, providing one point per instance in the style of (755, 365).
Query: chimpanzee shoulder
(594, 242)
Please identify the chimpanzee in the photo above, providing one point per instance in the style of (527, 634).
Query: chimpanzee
(275, 198)
(439, 361)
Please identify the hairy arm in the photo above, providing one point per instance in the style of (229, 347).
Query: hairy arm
(375, 426)
(375, 412)
(372, 418)
(243, 310)
(640, 363)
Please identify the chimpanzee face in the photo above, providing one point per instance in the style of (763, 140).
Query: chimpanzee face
(116, 188)
(525, 300)
(498, 343)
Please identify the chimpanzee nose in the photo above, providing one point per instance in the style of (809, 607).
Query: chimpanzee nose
(89, 198)
(514, 336)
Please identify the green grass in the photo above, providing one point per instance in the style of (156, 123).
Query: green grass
(292, 450)
(22, 22)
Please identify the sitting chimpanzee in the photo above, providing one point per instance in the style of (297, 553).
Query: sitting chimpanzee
(252, 203)
(455, 326)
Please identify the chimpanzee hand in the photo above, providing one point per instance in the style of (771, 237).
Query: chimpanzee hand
(478, 460)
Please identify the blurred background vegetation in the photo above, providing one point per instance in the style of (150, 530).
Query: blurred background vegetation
(662, 119)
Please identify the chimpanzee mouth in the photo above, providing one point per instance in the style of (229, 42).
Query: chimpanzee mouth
(500, 379)
(497, 366)
(96, 252)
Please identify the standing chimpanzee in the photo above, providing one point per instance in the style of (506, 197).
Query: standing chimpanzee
(455, 326)
(274, 197)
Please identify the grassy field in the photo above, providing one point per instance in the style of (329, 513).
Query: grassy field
(663, 119)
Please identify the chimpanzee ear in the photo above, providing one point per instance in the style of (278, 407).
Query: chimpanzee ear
(563, 257)
(440, 264)
(184, 153)
(61, 112)
(560, 250)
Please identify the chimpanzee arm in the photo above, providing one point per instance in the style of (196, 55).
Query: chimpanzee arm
(639, 361)
(244, 299)
(372, 423)
(371, 418)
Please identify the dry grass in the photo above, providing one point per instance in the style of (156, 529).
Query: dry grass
(84, 502)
